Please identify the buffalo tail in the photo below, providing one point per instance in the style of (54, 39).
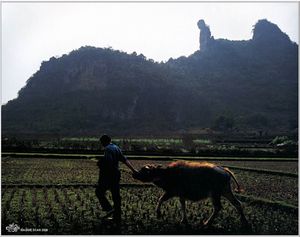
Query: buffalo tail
(239, 189)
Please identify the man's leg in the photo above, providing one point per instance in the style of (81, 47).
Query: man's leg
(100, 193)
(116, 197)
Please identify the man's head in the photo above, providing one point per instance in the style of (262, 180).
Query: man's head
(105, 140)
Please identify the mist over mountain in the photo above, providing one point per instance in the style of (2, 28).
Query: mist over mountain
(225, 85)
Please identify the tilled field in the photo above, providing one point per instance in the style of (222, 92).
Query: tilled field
(29, 200)
(76, 211)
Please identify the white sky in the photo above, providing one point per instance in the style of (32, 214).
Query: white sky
(34, 32)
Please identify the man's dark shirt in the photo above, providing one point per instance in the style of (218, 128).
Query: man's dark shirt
(109, 163)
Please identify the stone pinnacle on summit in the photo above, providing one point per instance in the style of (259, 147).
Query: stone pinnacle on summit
(205, 36)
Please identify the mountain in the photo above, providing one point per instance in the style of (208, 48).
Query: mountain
(253, 82)
(225, 85)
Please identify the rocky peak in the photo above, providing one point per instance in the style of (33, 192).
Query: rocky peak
(265, 32)
(205, 38)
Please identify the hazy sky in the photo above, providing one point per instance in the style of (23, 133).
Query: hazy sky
(34, 32)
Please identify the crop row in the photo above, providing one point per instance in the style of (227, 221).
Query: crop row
(32, 165)
(48, 171)
(285, 166)
(276, 164)
(60, 171)
(243, 197)
(76, 211)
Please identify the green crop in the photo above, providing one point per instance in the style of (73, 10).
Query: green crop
(77, 211)
(57, 196)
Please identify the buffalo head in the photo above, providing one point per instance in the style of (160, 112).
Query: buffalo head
(147, 173)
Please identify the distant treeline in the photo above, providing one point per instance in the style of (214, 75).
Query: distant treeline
(279, 146)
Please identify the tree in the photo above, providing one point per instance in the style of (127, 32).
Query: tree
(224, 123)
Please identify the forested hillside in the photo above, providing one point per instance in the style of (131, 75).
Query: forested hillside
(225, 85)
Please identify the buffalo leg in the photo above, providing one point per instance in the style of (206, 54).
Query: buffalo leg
(237, 204)
(216, 199)
(162, 199)
(182, 202)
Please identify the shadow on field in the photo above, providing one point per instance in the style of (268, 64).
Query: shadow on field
(109, 228)
(212, 230)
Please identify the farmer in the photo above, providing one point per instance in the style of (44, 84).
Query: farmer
(109, 177)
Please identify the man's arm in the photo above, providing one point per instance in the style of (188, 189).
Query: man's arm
(129, 165)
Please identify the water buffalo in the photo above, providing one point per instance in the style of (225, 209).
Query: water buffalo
(193, 181)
